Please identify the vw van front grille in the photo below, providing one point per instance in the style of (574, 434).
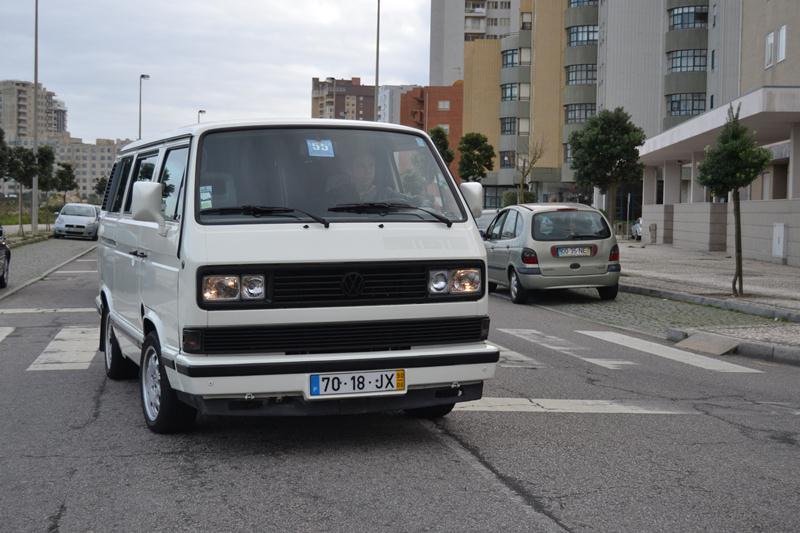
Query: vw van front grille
(338, 337)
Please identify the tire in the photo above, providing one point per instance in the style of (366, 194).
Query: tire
(519, 294)
(434, 411)
(491, 286)
(163, 411)
(117, 366)
(608, 293)
(6, 271)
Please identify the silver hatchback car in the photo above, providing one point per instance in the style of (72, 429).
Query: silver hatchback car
(552, 246)
(77, 220)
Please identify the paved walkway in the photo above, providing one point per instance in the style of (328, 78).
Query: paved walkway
(705, 277)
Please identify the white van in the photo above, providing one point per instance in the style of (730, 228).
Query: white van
(283, 268)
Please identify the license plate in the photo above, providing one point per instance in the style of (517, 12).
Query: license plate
(575, 251)
(357, 383)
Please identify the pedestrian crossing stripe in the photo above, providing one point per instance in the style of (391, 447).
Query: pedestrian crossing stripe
(5, 332)
(560, 406)
(73, 348)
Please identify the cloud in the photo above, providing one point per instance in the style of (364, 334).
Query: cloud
(233, 58)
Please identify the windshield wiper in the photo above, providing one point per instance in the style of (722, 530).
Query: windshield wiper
(385, 207)
(260, 210)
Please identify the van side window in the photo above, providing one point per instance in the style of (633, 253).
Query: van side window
(116, 190)
(172, 175)
(143, 171)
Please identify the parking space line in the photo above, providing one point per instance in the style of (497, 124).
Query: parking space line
(73, 348)
(667, 352)
(565, 347)
(5, 332)
(75, 272)
(40, 310)
(86, 261)
(542, 405)
(511, 359)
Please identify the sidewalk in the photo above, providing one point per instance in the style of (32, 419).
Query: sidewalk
(771, 290)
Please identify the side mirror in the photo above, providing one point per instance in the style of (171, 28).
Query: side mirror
(146, 202)
(57, 213)
(483, 234)
(473, 194)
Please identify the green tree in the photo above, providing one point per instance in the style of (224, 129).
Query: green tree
(476, 157)
(24, 164)
(4, 155)
(439, 138)
(732, 163)
(100, 185)
(65, 179)
(605, 153)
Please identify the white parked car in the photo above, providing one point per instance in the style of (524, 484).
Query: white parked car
(292, 267)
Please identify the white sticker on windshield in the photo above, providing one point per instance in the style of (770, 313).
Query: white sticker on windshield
(205, 204)
(205, 192)
(321, 148)
(420, 142)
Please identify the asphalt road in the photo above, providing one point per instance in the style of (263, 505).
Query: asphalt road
(585, 428)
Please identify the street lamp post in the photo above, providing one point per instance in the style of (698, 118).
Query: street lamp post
(377, 56)
(141, 78)
(200, 112)
(35, 184)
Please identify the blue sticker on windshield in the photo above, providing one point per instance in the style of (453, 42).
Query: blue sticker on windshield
(321, 148)
(420, 142)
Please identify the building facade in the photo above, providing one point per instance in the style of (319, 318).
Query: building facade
(16, 111)
(389, 102)
(752, 51)
(342, 99)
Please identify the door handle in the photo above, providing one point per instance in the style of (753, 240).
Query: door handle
(138, 253)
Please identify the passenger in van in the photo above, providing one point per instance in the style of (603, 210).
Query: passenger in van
(359, 182)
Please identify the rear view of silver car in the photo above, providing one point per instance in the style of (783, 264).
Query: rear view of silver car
(552, 246)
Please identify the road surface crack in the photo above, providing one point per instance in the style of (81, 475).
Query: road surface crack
(97, 401)
(54, 519)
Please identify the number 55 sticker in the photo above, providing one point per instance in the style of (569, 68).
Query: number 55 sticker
(321, 148)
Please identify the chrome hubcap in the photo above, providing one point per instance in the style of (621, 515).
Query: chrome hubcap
(108, 343)
(151, 384)
(513, 285)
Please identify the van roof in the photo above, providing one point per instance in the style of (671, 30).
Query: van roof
(198, 129)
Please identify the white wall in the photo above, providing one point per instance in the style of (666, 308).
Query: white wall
(758, 217)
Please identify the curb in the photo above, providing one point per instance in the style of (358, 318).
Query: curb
(742, 307)
(767, 351)
(34, 280)
(41, 238)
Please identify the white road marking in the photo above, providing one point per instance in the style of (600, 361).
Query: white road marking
(38, 310)
(86, 260)
(5, 332)
(75, 272)
(667, 352)
(73, 348)
(512, 359)
(543, 405)
(565, 347)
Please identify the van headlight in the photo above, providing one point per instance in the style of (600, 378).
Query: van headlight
(252, 287)
(221, 288)
(454, 281)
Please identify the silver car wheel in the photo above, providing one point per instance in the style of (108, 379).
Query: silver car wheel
(151, 384)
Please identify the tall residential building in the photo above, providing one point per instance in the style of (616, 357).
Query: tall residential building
(16, 111)
(389, 102)
(455, 21)
(343, 99)
(428, 107)
(743, 54)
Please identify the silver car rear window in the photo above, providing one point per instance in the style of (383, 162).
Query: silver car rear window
(569, 225)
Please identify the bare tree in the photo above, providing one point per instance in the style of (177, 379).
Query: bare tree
(526, 164)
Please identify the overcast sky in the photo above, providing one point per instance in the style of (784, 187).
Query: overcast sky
(233, 58)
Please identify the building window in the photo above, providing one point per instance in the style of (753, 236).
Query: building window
(713, 59)
(510, 58)
(505, 5)
(582, 3)
(491, 5)
(581, 74)
(515, 91)
(683, 18)
(686, 104)
(508, 159)
(567, 153)
(711, 102)
(686, 60)
(578, 113)
(581, 35)
(505, 21)
(714, 16)
(491, 22)
(527, 21)
(524, 126)
(508, 126)
(769, 46)
(444, 105)
(445, 127)
(781, 43)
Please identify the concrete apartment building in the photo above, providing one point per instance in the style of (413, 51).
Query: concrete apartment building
(715, 54)
(389, 102)
(343, 99)
(90, 161)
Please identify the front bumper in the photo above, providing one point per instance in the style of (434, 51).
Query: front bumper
(272, 379)
(88, 233)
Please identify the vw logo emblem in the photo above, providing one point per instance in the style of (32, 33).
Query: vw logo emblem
(352, 284)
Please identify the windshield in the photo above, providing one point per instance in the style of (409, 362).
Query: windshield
(289, 174)
(79, 211)
(569, 225)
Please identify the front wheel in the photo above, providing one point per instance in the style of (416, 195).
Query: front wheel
(519, 295)
(117, 367)
(608, 293)
(163, 411)
(434, 411)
